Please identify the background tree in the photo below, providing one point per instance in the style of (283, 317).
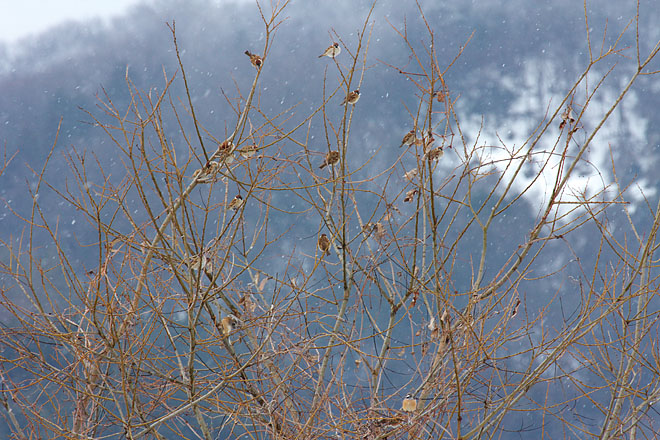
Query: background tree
(197, 314)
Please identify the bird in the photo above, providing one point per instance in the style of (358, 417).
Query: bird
(225, 152)
(228, 324)
(435, 153)
(408, 139)
(207, 172)
(352, 97)
(566, 117)
(228, 159)
(332, 51)
(410, 195)
(324, 244)
(428, 142)
(410, 175)
(255, 59)
(225, 148)
(248, 151)
(236, 203)
(330, 159)
(409, 404)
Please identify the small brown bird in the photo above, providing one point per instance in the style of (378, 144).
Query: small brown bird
(435, 153)
(248, 151)
(408, 139)
(380, 231)
(236, 203)
(254, 59)
(330, 159)
(428, 142)
(410, 175)
(324, 244)
(332, 51)
(410, 195)
(225, 148)
(351, 98)
(409, 404)
(206, 173)
(566, 117)
(225, 152)
(228, 325)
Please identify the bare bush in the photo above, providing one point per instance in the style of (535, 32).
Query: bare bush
(200, 313)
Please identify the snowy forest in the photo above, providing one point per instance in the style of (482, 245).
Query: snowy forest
(332, 220)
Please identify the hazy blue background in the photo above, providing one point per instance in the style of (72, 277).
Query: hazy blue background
(522, 59)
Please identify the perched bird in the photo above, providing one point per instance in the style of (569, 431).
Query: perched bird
(351, 98)
(225, 152)
(236, 203)
(435, 153)
(330, 159)
(409, 404)
(248, 151)
(410, 195)
(332, 51)
(410, 175)
(225, 148)
(379, 231)
(324, 244)
(566, 117)
(228, 324)
(368, 228)
(408, 139)
(207, 172)
(194, 262)
(428, 142)
(228, 159)
(254, 59)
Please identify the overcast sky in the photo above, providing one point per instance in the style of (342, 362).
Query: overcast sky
(25, 17)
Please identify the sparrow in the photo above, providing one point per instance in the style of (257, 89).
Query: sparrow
(380, 232)
(203, 174)
(330, 159)
(228, 159)
(409, 404)
(194, 262)
(410, 175)
(351, 98)
(236, 203)
(408, 139)
(254, 59)
(410, 195)
(324, 244)
(566, 117)
(225, 151)
(435, 153)
(332, 51)
(225, 148)
(428, 142)
(248, 151)
(228, 325)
